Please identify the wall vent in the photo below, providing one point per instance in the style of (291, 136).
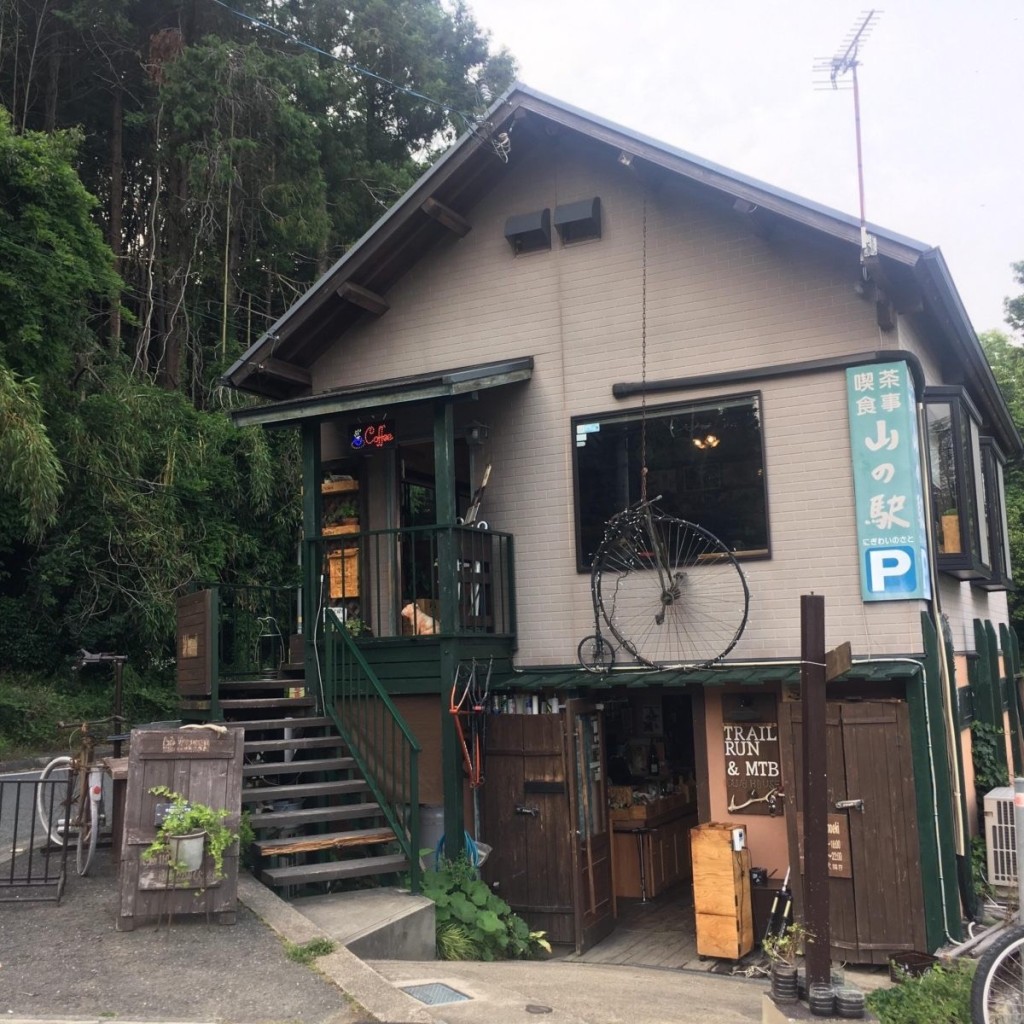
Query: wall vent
(1001, 837)
(579, 221)
(529, 232)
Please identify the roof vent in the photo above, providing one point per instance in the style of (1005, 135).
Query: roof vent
(529, 232)
(579, 221)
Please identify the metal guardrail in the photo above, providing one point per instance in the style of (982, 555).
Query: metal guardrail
(31, 867)
(394, 581)
(378, 738)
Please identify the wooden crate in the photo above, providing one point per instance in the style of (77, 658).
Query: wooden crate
(205, 767)
(343, 573)
(721, 892)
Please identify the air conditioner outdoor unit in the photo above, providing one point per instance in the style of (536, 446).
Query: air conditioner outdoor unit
(1001, 837)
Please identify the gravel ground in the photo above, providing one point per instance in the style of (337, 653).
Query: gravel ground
(68, 960)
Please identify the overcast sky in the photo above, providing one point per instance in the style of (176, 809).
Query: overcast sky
(942, 105)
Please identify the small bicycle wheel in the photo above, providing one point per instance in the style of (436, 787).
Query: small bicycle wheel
(997, 992)
(88, 834)
(596, 654)
(671, 592)
(53, 807)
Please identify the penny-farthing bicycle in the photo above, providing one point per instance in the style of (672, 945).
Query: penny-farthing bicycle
(670, 592)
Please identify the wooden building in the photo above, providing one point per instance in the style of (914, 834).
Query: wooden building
(569, 303)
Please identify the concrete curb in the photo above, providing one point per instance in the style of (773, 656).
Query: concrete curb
(356, 979)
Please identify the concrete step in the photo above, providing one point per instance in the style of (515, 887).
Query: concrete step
(304, 816)
(300, 874)
(297, 766)
(309, 789)
(375, 924)
(324, 841)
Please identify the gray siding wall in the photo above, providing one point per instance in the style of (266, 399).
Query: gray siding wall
(718, 298)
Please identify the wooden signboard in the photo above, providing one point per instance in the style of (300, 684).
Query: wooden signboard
(205, 766)
(750, 739)
(839, 864)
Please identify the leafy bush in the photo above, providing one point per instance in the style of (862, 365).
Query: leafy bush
(940, 994)
(472, 922)
(32, 704)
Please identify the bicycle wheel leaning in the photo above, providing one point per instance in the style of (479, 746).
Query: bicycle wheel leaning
(53, 810)
(997, 993)
(89, 831)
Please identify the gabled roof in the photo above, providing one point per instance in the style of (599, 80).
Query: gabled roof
(277, 365)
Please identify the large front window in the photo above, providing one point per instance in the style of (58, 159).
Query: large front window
(705, 463)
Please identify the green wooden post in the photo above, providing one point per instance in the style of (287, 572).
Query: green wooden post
(310, 528)
(1012, 698)
(444, 485)
(215, 711)
(987, 705)
(924, 702)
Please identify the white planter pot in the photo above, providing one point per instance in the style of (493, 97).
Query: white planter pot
(187, 851)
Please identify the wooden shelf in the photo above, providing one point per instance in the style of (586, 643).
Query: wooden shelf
(339, 486)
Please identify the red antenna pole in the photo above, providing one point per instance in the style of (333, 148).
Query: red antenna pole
(847, 60)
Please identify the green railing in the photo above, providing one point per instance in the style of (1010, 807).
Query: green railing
(378, 738)
(415, 581)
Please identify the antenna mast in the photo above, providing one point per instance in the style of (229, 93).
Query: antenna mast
(847, 60)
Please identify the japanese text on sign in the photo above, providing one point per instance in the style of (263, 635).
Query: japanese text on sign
(888, 494)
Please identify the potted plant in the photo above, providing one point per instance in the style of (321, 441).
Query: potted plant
(188, 831)
(782, 950)
(344, 514)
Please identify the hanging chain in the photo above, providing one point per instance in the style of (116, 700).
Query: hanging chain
(643, 364)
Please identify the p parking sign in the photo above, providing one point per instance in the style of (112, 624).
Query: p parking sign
(885, 455)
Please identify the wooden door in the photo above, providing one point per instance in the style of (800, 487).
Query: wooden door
(879, 909)
(525, 805)
(590, 827)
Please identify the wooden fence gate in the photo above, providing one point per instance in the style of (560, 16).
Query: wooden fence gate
(875, 892)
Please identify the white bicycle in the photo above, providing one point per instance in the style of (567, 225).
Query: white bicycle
(80, 815)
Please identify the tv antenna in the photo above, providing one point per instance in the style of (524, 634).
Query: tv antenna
(847, 60)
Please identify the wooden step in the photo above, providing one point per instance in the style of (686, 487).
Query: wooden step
(241, 703)
(308, 789)
(299, 743)
(300, 873)
(295, 722)
(331, 841)
(232, 685)
(314, 815)
(321, 764)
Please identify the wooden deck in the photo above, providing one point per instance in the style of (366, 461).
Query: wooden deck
(658, 933)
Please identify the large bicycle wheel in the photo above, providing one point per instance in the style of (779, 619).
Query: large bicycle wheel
(88, 834)
(52, 806)
(672, 593)
(997, 993)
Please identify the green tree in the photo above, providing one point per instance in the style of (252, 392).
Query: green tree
(1007, 361)
(232, 164)
(1015, 306)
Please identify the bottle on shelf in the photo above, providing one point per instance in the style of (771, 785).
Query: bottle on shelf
(653, 768)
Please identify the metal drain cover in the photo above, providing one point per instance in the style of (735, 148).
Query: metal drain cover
(435, 994)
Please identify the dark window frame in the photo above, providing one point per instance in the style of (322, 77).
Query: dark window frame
(993, 469)
(635, 414)
(973, 536)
